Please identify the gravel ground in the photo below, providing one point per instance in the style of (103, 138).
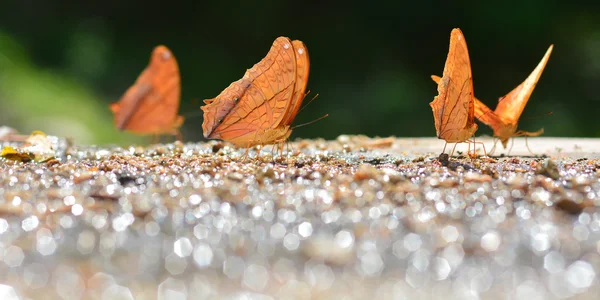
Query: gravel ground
(353, 218)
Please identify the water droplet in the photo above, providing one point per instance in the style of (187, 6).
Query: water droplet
(86, 242)
(233, 267)
(172, 289)
(441, 268)
(320, 276)
(183, 247)
(580, 275)
(77, 209)
(203, 255)
(30, 223)
(3, 226)
(554, 262)
(371, 263)
(13, 256)
(117, 292)
(291, 241)
(277, 231)
(450, 234)
(69, 200)
(35, 276)
(255, 277)
(7, 292)
(305, 229)
(175, 264)
(412, 242)
(45, 243)
(344, 239)
(490, 241)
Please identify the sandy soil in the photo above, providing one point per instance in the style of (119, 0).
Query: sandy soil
(351, 218)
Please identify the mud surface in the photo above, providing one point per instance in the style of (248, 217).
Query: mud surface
(352, 218)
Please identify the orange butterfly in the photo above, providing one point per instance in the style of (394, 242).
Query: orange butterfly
(453, 108)
(151, 104)
(505, 118)
(259, 108)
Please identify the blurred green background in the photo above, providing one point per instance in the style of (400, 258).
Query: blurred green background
(63, 62)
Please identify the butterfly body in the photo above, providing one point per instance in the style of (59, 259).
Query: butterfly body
(259, 108)
(151, 104)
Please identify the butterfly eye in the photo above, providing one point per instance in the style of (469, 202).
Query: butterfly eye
(236, 99)
(219, 121)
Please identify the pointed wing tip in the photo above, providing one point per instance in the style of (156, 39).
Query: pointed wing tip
(114, 107)
(549, 51)
(456, 33)
(436, 78)
(206, 132)
(282, 39)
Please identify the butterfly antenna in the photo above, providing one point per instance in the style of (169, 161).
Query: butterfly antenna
(193, 114)
(311, 100)
(538, 116)
(308, 123)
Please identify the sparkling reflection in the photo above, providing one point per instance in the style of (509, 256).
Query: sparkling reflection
(180, 221)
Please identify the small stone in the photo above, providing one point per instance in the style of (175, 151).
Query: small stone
(365, 171)
(570, 206)
(549, 169)
(444, 159)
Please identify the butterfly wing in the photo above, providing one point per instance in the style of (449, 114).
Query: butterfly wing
(302, 70)
(481, 111)
(453, 108)
(257, 102)
(511, 106)
(151, 105)
(131, 100)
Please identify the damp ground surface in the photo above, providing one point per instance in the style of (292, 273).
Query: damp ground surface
(352, 218)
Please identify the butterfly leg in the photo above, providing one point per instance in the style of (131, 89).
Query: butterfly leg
(494, 147)
(444, 150)
(527, 145)
(290, 148)
(260, 147)
(179, 136)
(512, 144)
(453, 148)
(246, 153)
(274, 151)
(485, 153)
(528, 134)
(289, 152)
(282, 145)
(471, 156)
